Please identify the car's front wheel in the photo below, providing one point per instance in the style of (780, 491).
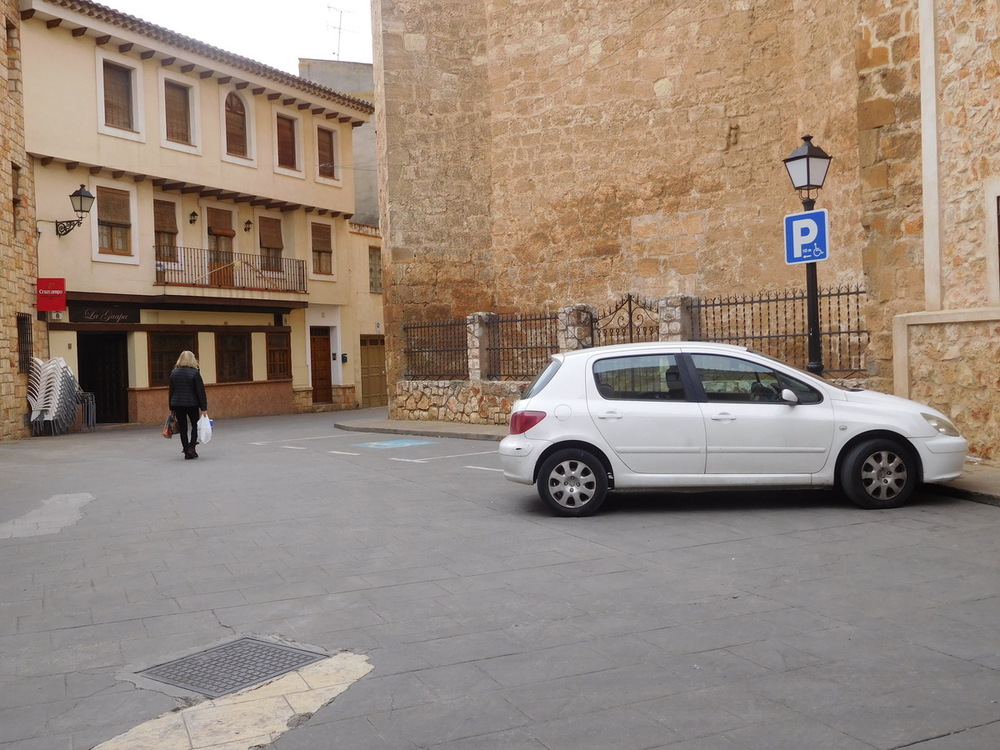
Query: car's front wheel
(879, 473)
(573, 482)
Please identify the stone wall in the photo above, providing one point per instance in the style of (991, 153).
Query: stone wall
(535, 153)
(956, 366)
(969, 84)
(464, 401)
(18, 258)
(592, 148)
(889, 178)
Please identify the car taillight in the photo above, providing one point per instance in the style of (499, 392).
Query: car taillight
(522, 421)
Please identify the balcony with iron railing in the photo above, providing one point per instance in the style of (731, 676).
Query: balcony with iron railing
(219, 269)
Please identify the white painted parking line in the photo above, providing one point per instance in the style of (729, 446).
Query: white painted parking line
(343, 453)
(438, 458)
(293, 447)
(482, 468)
(299, 440)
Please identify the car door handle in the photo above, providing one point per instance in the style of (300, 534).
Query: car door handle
(723, 417)
(610, 415)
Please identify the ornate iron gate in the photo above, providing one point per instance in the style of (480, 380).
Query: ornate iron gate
(630, 320)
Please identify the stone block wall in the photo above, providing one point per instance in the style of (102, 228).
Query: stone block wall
(889, 177)
(18, 258)
(537, 153)
(463, 401)
(956, 367)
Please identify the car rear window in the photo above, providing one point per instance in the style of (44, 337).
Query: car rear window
(542, 379)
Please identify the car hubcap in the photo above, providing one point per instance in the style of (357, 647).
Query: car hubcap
(883, 475)
(572, 484)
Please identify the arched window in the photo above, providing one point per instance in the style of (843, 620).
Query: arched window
(236, 126)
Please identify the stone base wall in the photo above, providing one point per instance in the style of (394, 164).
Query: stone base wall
(955, 367)
(464, 401)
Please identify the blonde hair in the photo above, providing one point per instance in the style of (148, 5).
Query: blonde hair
(187, 359)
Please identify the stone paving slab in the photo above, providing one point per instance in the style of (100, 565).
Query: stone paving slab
(745, 620)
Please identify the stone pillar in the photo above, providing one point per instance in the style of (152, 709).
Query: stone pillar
(576, 327)
(477, 338)
(676, 319)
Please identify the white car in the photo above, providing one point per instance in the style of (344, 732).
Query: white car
(688, 415)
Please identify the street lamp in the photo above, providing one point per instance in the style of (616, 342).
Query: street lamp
(82, 200)
(807, 166)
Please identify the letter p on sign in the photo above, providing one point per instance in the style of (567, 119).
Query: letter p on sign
(806, 236)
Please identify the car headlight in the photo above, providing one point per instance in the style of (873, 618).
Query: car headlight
(942, 425)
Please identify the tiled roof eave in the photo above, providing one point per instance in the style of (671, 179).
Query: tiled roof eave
(160, 36)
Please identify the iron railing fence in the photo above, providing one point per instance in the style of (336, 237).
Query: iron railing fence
(437, 350)
(519, 345)
(193, 266)
(630, 320)
(775, 323)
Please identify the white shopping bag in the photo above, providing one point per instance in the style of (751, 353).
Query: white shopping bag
(204, 429)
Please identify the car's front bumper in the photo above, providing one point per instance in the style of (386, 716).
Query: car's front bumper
(943, 457)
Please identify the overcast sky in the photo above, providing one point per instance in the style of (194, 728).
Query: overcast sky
(275, 34)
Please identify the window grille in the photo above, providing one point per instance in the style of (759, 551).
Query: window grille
(25, 343)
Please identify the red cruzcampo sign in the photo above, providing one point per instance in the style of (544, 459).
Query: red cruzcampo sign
(51, 295)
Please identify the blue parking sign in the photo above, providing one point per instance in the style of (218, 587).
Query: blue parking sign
(807, 236)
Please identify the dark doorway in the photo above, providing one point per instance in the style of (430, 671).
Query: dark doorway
(103, 361)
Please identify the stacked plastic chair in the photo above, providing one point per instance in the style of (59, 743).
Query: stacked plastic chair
(53, 395)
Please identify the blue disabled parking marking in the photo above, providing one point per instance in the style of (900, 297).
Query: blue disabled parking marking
(383, 444)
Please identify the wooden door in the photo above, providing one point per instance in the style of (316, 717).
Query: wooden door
(220, 261)
(220, 248)
(374, 387)
(322, 370)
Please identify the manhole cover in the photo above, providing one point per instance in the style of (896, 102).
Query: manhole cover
(232, 666)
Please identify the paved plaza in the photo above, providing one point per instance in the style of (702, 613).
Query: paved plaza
(450, 610)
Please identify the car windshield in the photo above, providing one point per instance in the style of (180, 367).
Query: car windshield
(542, 379)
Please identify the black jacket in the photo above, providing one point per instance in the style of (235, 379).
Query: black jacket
(187, 389)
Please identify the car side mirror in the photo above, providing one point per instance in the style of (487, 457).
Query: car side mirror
(788, 396)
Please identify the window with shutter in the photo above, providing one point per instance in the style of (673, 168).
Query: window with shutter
(114, 221)
(220, 222)
(375, 270)
(118, 96)
(287, 149)
(177, 108)
(326, 153)
(322, 248)
(232, 357)
(164, 349)
(165, 230)
(271, 245)
(236, 125)
(279, 356)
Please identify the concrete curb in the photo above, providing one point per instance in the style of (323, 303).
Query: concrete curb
(494, 433)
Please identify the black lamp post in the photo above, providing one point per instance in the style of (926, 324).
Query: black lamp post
(807, 167)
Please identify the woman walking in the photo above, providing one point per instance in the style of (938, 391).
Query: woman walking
(187, 400)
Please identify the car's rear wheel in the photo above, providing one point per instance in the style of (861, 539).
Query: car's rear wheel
(573, 482)
(879, 473)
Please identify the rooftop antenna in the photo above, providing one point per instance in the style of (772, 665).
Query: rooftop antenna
(338, 28)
